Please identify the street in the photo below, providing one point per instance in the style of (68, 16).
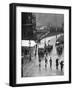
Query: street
(33, 68)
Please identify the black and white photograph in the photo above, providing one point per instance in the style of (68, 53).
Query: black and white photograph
(42, 44)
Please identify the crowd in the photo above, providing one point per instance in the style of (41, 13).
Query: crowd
(57, 63)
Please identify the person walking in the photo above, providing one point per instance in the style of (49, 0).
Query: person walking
(39, 62)
(35, 50)
(57, 63)
(50, 63)
(48, 42)
(46, 61)
(61, 65)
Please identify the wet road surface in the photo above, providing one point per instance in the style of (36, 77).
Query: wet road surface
(33, 69)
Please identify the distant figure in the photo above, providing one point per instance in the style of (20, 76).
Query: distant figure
(48, 42)
(57, 63)
(36, 46)
(36, 50)
(50, 63)
(45, 44)
(61, 65)
(56, 37)
(46, 61)
(39, 62)
(40, 67)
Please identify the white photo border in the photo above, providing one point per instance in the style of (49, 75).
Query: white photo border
(19, 79)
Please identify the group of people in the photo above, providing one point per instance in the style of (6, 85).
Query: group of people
(57, 63)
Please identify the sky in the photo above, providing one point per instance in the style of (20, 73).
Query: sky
(44, 19)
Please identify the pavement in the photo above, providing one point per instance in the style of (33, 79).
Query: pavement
(33, 69)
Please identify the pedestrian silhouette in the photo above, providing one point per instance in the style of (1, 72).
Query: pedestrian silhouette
(61, 65)
(39, 63)
(46, 61)
(39, 66)
(39, 60)
(57, 63)
(50, 63)
(48, 42)
(35, 50)
(45, 66)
